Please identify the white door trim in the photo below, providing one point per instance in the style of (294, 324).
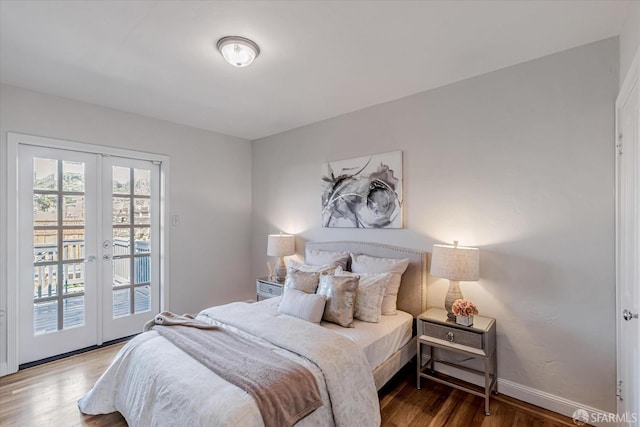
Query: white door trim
(13, 351)
(13, 141)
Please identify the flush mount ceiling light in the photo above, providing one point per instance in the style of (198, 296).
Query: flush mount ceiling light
(238, 51)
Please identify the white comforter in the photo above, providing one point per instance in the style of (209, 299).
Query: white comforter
(153, 383)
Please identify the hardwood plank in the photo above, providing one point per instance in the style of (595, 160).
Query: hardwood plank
(48, 394)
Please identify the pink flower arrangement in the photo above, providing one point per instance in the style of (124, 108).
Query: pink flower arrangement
(464, 308)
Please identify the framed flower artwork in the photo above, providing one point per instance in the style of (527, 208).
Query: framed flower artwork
(365, 192)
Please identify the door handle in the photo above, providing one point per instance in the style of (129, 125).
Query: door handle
(106, 257)
(627, 315)
(90, 259)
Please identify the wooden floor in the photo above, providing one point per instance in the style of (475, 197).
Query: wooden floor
(436, 405)
(46, 395)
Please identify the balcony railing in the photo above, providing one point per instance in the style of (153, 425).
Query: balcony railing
(46, 282)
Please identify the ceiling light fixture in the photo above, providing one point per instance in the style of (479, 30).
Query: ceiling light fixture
(238, 51)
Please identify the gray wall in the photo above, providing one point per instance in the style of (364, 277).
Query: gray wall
(629, 39)
(518, 162)
(210, 188)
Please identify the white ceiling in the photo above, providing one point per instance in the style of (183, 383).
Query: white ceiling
(319, 59)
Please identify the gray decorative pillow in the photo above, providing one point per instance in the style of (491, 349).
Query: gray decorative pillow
(369, 295)
(304, 306)
(302, 281)
(315, 257)
(341, 295)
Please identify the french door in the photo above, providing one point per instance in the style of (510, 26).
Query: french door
(130, 245)
(88, 244)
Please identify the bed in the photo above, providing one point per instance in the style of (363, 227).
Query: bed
(152, 382)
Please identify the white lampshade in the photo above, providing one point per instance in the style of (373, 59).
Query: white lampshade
(238, 51)
(281, 245)
(455, 262)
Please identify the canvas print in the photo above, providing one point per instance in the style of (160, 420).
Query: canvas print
(363, 193)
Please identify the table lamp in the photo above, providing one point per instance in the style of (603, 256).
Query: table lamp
(280, 245)
(456, 263)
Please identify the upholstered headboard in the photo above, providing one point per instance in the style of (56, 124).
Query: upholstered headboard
(412, 296)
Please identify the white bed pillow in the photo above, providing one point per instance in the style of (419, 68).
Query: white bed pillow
(324, 268)
(309, 307)
(369, 295)
(370, 264)
(315, 257)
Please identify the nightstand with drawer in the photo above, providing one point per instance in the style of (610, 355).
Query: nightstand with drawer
(478, 341)
(267, 288)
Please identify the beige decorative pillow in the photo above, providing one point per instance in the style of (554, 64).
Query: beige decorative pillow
(370, 264)
(304, 306)
(315, 257)
(324, 268)
(301, 280)
(369, 295)
(341, 295)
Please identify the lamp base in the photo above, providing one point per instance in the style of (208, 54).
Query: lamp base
(453, 294)
(280, 270)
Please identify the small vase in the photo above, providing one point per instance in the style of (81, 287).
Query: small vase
(464, 320)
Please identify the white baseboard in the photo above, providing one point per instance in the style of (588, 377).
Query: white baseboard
(4, 369)
(550, 401)
(530, 395)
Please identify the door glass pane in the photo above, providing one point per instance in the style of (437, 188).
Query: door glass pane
(45, 209)
(142, 269)
(121, 208)
(142, 235)
(121, 302)
(73, 176)
(121, 241)
(45, 317)
(141, 214)
(45, 245)
(121, 271)
(45, 174)
(73, 210)
(121, 180)
(142, 298)
(131, 219)
(45, 281)
(72, 312)
(142, 179)
(73, 244)
(73, 278)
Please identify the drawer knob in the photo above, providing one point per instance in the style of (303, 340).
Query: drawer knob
(270, 290)
(450, 336)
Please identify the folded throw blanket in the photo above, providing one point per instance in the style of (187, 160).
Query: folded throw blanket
(167, 318)
(284, 391)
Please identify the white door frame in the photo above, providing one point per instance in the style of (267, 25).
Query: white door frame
(631, 80)
(13, 141)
